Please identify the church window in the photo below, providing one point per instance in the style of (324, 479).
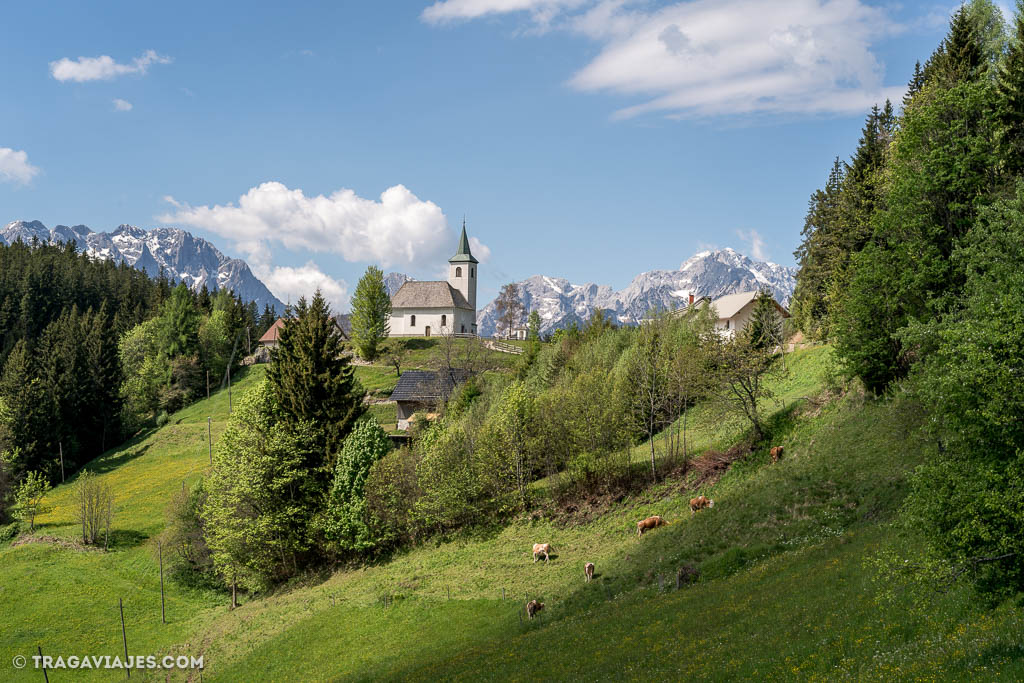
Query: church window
(412, 321)
(444, 320)
(458, 271)
(472, 272)
(463, 329)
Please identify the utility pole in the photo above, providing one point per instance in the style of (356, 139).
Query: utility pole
(209, 435)
(60, 444)
(207, 385)
(229, 389)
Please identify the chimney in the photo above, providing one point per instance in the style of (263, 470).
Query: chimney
(691, 298)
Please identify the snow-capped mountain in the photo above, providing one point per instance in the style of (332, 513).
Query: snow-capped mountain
(709, 273)
(394, 281)
(184, 257)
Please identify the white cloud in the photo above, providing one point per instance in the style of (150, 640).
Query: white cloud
(397, 230)
(102, 68)
(541, 11)
(288, 284)
(718, 57)
(480, 250)
(122, 105)
(755, 244)
(14, 166)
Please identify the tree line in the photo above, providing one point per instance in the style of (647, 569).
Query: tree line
(911, 263)
(91, 351)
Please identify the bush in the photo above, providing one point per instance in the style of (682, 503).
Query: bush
(344, 522)
(95, 503)
(183, 539)
(8, 532)
(391, 493)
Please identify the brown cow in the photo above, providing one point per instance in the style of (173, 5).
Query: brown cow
(776, 453)
(533, 607)
(649, 523)
(699, 503)
(588, 571)
(539, 548)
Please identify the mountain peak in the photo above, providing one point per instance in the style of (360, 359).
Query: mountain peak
(182, 257)
(707, 273)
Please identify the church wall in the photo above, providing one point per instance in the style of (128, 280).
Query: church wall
(400, 319)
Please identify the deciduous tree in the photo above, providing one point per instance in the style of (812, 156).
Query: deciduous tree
(371, 313)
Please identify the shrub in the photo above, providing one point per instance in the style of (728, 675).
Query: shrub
(95, 503)
(184, 540)
(9, 531)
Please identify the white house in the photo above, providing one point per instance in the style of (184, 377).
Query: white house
(422, 309)
(734, 311)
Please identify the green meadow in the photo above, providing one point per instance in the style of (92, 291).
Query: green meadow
(783, 591)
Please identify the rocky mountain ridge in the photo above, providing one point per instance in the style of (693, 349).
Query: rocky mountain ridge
(181, 255)
(708, 273)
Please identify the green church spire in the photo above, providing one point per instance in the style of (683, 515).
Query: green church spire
(463, 255)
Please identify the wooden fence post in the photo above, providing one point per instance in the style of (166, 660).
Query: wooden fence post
(46, 677)
(124, 638)
(163, 612)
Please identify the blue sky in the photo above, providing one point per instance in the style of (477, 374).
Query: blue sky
(588, 139)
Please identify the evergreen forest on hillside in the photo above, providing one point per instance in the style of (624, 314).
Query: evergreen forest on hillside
(912, 263)
(91, 351)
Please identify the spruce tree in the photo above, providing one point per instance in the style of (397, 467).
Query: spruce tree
(371, 313)
(313, 380)
(1010, 106)
(179, 324)
(963, 56)
(915, 84)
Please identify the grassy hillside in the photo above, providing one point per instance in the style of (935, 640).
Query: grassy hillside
(65, 599)
(783, 591)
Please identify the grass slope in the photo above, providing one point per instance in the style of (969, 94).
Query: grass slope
(66, 600)
(784, 592)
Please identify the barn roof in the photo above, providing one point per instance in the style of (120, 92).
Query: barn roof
(425, 385)
(419, 294)
(271, 334)
(731, 304)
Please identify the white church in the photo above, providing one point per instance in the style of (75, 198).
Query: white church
(422, 309)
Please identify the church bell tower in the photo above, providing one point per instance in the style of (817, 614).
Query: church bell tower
(462, 270)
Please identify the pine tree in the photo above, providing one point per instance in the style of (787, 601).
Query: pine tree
(179, 324)
(817, 254)
(917, 81)
(313, 380)
(267, 318)
(1010, 107)
(963, 56)
(371, 313)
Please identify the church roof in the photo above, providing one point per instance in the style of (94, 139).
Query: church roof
(463, 255)
(420, 294)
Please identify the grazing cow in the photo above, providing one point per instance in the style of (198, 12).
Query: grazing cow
(699, 503)
(533, 607)
(776, 453)
(588, 571)
(649, 523)
(539, 548)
